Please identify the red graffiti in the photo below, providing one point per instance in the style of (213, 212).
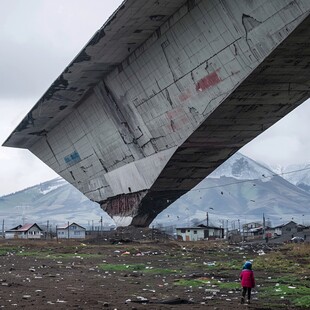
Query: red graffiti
(185, 95)
(172, 114)
(208, 81)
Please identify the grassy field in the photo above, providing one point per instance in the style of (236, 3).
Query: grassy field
(161, 275)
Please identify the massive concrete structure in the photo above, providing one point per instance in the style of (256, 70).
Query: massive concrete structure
(164, 93)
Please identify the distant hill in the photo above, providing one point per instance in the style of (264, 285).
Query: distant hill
(240, 189)
(298, 175)
(55, 201)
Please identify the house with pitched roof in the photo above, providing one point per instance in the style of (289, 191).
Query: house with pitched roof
(200, 232)
(71, 231)
(27, 231)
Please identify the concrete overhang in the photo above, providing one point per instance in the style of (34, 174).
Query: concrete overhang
(130, 25)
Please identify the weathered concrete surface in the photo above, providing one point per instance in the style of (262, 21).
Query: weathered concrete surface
(161, 96)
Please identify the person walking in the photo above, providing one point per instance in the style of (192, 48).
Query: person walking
(247, 281)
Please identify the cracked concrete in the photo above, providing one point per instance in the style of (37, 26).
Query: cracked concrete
(156, 106)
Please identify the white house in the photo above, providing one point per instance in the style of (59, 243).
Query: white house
(72, 231)
(27, 231)
(201, 232)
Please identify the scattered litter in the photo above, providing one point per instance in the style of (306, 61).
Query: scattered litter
(26, 296)
(212, 290)
(209, 263)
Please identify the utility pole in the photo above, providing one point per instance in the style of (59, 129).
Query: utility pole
(264, 225)
(207, 219)
(226, 229)
(68, 230)
(3, 228)
(47, 226)
(101, 225)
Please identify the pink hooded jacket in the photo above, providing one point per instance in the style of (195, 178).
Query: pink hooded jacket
(247, 278)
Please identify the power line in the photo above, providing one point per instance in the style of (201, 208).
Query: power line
(251, 180)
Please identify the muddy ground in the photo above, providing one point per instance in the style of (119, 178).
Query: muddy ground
(108, 273)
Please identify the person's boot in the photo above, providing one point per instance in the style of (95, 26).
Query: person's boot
(242, 300)
(248, 301)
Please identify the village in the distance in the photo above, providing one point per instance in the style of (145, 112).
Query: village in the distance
(241, 201)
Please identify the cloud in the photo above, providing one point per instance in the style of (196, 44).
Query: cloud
(19, 168)
(286, 142)
(38, 40)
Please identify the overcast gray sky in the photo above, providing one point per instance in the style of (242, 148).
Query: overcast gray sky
(40, 38)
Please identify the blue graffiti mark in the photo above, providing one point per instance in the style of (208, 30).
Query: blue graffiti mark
(72, 158)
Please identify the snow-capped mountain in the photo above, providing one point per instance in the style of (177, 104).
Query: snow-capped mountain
(55, 201)
(298, 175)
(240, 189)
(242, 167)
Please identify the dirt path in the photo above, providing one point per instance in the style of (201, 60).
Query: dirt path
(154, 275)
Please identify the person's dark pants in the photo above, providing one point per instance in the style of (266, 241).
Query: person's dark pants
(246, 290)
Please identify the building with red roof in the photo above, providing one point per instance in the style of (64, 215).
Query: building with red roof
(26, 231)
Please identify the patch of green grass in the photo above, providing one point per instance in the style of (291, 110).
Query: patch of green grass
(229, 285)
(208, 282)
(4, 251)
(49, 255)
(136, 267)
(230, 265)
(303, 302)
(193, 282)
(122, 267)
(274, 305)
(70, 255)
(275, 262)
(291, 280)
(280, 290)
(298, 295)
(219, 265)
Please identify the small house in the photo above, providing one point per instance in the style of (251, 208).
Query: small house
(27, 231)
(292, 228)
(273, 232)
(201, 232)
(289, 229)
(252, 225)
(71, 231)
